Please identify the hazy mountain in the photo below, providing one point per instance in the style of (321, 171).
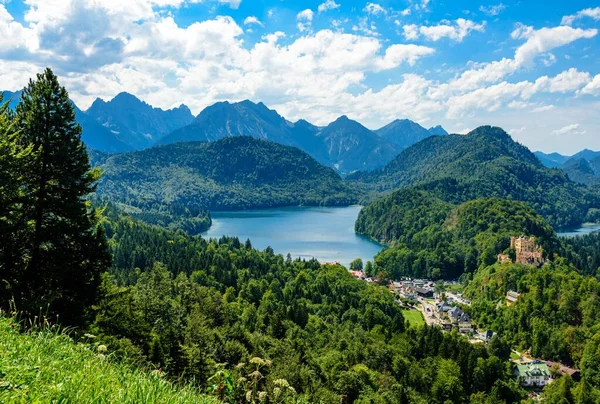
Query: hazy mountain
(225, 119)
(484, 163)
(586, 154)
(350, 146)
(94, 135)
(583, 171)
(438, 130)
(135, 122)
(404, 132)
(231, 173)
(551, 160)
(554, 160)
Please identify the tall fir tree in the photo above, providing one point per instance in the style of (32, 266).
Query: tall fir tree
(66, 249)
(12, 223)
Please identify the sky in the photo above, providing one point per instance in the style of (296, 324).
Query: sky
(531, 67)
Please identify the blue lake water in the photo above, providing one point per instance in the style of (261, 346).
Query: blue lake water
(583, 230)
(325, 233)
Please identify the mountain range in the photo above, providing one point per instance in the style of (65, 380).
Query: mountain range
(583, 167)
(344, 144)
(126, 123)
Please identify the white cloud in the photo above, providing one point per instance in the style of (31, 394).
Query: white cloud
(374, 9)
(328, 5)
(517, 131)
(456, 32)
(305, 18)
(253, 20)
(588, 12)
(366, 27)
(568, 130)
(544, 108)
(593, 87)
(312, 75)
(492, 10)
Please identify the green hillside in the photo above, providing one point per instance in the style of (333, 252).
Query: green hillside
(49, 367)
(435, 239)
(482, 164)
(187, 179)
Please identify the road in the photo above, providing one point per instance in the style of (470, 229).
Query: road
(428, 315)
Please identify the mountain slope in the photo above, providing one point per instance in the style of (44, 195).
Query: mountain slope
(232, 173)
(552, 160)
(583, 171)
(344, 144)
(484, 163)
(224, 119)
(404, 133)
(586, 154)
(135, 122)
(352, 147)
(94, 135)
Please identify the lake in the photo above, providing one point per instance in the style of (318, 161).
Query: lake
(325, 233)
(583, 230)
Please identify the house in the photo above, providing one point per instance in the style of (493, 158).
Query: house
(534, 374)
(562, 370)
(424, 292)
(486, 336)
(512, 297)
(396, 287)
(465, 327)
(358, 274)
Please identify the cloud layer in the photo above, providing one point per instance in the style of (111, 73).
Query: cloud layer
(314, 73)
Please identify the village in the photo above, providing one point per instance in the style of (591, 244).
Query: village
(439, 303)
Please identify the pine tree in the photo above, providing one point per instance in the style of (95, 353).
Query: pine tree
(66, 249)
(12, 224)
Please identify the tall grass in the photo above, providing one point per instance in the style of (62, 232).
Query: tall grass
(46, 366)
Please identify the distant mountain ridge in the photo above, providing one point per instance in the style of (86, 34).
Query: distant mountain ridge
(135, 122)
(582, 167)
(94, 135)
(343, 144)
(126, 123)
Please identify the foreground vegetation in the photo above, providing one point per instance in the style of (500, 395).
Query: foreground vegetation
(46, 366)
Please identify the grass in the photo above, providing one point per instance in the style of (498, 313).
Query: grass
(514, 356)
(48, 367)
(414, 318)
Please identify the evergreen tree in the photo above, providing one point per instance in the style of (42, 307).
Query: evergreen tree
(66, 249)
(12, 225)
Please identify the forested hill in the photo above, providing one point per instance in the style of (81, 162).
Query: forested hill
(232, 173)
(484, 163)
(435, 239)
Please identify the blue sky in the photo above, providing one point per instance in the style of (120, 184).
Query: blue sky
(531, 67)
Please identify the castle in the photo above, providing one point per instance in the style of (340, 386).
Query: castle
(527, 252)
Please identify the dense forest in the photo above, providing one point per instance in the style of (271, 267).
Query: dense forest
(176, 185)
(434, 239)
(188, 305)
(557, 313)
(482, 164)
